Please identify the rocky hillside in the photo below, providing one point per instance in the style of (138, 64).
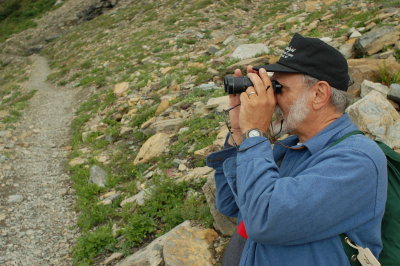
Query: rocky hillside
(150, 74)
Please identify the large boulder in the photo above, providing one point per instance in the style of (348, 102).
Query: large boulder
(183, 245)
(189, 245)
(375, 116)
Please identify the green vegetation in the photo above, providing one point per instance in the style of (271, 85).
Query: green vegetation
(91, 244)
(387, 77)
(14, 101)
(18, 15)
(137, 44)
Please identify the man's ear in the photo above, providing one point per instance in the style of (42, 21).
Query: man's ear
(322, 94)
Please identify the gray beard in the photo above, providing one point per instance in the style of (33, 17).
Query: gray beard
(297, 113)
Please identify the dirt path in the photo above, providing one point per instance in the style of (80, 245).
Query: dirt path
(37, 221)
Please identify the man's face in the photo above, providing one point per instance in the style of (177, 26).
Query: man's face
(292, 103)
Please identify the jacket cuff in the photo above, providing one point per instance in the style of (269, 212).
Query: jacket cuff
(216, 159)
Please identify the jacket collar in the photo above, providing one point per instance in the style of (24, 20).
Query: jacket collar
(333, 131)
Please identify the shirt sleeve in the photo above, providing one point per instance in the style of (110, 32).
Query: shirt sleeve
(336, 193)
(225, 200)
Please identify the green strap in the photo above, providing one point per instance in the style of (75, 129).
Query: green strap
(351, 133)
(350, 252)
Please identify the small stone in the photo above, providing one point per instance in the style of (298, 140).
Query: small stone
(15, 199)
(121, 88)
(196, 65)
(164, 104)
(166, 70)
(326, 39)
(97, 176)
(77, 161)
(208, 86)
(182, 167)
(212, 49)
(138, 199)
(355, 34)
(3, 158)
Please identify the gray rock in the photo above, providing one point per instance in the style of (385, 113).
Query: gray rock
(138, 199)
(98, 176)
(212, 49)
(376, 39)
(394, 92)
(245, 51)
(222, 223)
(368, 86)
(15, 199)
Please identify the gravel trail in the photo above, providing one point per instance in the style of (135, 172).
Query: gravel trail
(37, 220)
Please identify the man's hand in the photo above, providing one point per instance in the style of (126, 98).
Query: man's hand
(257, 103)
(234, 99)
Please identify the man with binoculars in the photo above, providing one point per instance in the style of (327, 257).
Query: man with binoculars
(293, 198)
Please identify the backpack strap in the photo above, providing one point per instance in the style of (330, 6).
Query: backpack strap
(345, 136)
(350, 251)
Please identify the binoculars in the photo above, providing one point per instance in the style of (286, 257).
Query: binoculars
(237, 85)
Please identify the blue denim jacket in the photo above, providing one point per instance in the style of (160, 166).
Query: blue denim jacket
(296, 203)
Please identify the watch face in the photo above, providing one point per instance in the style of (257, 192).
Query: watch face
(254, 133)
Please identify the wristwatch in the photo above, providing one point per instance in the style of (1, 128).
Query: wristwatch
(254, 132)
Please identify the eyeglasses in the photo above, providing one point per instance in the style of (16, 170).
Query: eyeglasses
(227, 121)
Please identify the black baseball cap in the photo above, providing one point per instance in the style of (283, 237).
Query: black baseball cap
(315, 58)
